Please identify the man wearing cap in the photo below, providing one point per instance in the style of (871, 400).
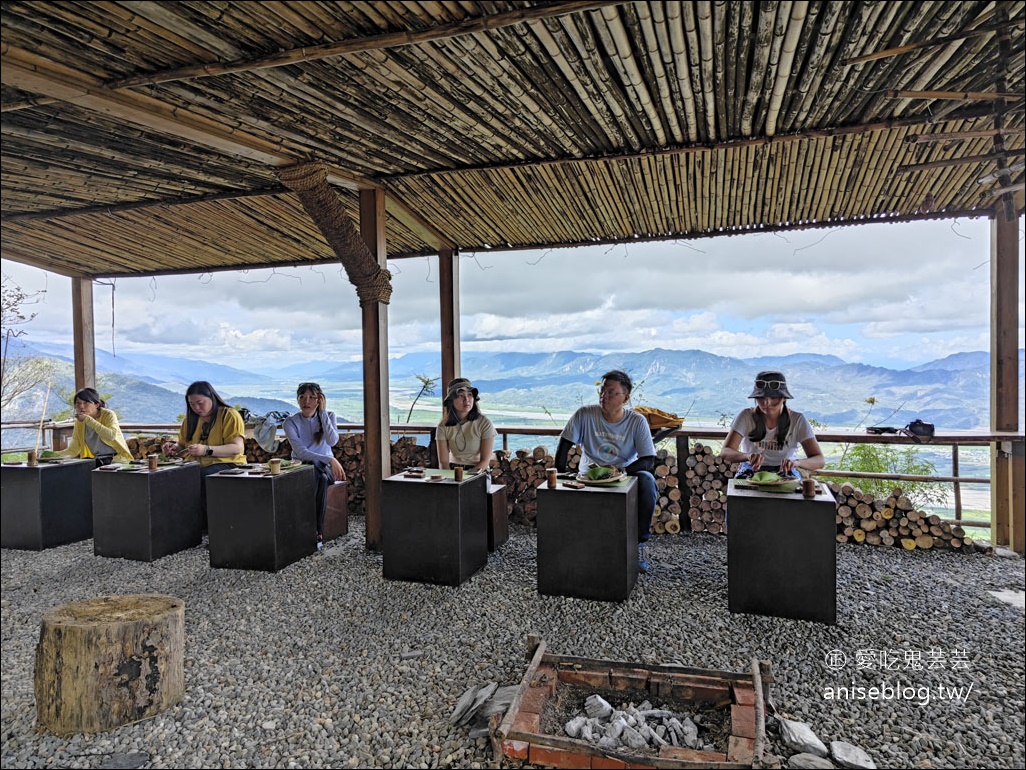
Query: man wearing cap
(766, 437)
(464, 436)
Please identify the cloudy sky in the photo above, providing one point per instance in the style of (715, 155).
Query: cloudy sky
(883, 294)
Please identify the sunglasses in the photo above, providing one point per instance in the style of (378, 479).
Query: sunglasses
(308, 386)
(771, 384)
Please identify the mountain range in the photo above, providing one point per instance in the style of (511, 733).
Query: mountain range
(952, 392)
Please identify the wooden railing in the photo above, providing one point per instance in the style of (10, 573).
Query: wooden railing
(57, 434)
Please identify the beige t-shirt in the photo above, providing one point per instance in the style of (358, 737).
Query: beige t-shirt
(465, 439)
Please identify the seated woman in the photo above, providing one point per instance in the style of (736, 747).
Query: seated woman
(465, 436)
(312, 432)
(212, 432)
(97, 433)
(766, 437)
(612, 434)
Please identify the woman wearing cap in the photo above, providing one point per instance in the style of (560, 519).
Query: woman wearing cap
(611, 434)
(312, 432)
(766, 436)
(465, 437)
(97, 433)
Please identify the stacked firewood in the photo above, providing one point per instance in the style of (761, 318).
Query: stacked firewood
(893, 521)
(698, 486)
(668, 504)
(705, 480)
(522, 472)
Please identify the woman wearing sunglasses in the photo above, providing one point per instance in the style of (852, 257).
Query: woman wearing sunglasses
(312, 432)
(766, 436)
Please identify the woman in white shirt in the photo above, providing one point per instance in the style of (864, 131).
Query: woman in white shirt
(465, 436)
(766, 437)
(312, 432)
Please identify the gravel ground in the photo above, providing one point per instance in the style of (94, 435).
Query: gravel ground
(325, 664)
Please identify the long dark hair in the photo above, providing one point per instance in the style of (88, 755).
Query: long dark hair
(313, 387)
(89, 395)
(758, 432)
(201, 388)
(452, 416)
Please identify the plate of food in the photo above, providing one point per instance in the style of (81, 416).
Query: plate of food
(599, 475)
(771, 479)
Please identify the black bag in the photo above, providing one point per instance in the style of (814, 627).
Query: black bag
(920, 428)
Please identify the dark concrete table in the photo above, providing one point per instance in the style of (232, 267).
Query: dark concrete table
(142, 514)
(434, 531)
(46, 505)
(782, 553)
(261, 522)
(588, 540)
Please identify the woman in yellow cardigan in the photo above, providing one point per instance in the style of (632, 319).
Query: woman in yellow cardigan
(97, 433)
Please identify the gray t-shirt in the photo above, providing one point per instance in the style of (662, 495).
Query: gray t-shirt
(608, 443)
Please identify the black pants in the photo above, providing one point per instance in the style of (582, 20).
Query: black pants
(325, 478)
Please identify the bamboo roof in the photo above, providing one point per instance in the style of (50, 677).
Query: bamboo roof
(146, 137)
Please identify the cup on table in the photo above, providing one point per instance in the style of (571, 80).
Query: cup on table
(274, 466)
(33, 458)
(457, 473)
(550, 477)
(151, 462)
(808, 487)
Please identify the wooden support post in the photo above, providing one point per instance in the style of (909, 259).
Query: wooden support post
(83, 331)
(106, 662)
(377, 446)
(1004, 370)
(449, 312)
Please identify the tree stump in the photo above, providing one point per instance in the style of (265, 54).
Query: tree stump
(105, 662)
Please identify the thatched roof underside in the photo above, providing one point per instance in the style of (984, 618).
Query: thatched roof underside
(145, 137)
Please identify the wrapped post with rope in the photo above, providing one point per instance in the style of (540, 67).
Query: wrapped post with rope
(309, 181)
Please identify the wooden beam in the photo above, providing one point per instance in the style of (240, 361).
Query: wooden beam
(990, 157)
(965, 96)
(377, 444)
(978, 111)
(370, 43)
(1004, 369)
(938, 41)
(958, 135)
(83, 333)
(35, 74)
(449, 312)
(31, 216)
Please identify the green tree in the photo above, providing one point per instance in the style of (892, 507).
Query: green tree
(891, 459)
(427, 388)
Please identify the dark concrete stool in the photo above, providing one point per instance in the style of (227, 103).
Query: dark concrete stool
(588, 541)
(782, 554)
(434, 531)
(261, 522)
(46, 505)
(498, 516)
(336, 512)
(143, 514)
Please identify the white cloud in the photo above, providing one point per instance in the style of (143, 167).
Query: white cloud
(869, 293)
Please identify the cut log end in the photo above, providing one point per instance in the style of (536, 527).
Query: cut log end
(109, 661)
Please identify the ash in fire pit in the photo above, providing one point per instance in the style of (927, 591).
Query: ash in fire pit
(626, 721)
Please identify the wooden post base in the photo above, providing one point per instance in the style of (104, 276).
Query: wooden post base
(105, 662)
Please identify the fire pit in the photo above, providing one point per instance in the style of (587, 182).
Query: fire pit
(555, 686)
